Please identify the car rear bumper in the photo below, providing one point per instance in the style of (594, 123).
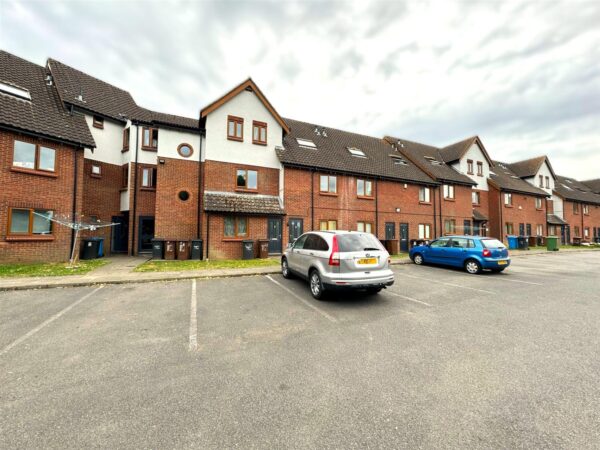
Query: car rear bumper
(499, 263)
(381, 278)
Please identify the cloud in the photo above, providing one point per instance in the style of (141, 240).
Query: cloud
(523, 75)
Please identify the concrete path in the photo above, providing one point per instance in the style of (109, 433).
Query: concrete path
(120, 271)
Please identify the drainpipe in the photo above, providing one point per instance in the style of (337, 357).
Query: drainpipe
(439, 190)
(207, 233)
(75, 176)
(582, 236)
(312, 200)
(376, 210)
(500, 203)
(434, 218)
(135, 182)
(200, 190)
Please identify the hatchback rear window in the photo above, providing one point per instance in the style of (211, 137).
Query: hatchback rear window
(492, 243)
(358, 242)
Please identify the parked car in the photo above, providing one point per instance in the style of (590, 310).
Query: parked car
(332, 260)
(473, 253)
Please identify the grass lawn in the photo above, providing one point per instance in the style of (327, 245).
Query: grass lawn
(49, 269)
(399, 256)
(174, 266)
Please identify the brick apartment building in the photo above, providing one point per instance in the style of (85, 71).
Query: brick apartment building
(73, 145)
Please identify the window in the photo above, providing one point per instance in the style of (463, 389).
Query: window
(449, 226)
(448, 191)
(586, 209)
(364, 188)
(365, 227)
(98, 122)
(470, 166)
(586, 232)
(547, 182)
(508, 199)
(96, 171)
(125, 173)
(235, 128)
(356, 152)
(246, 179)
(509, 227)
(460, 243)
(443, 242)
(33, 157)
(307, 143)
(149, 177)
(259, 133)
(29, 222)
(183, 196)
(539, 229)
(424, 195)
(149, 138)
(15, 91)
(538, 203)
(541, 181)
(235, 227)
(577, 231)
(326, 225)
(328, 184)
(314, 242)
(424, 231)
(126, 134)
(185, 150)
(476, 197)
(575, 208)
(479, 168)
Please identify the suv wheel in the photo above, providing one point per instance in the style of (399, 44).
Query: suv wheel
(316, 285)
(285, 270)
(472, 266)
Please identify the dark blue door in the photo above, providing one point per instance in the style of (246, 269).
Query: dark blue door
(390, 230)
(119, 234)
(521, 229)
(467, 227)
(296, 227)
(274, 234)
(528, 229)
(403, 237)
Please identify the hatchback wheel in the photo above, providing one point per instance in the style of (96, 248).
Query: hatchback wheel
(316, 286)
(472, 266)
(285, 270)
(418, 259)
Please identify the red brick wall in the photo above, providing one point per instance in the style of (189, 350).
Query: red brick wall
(460, 208)
(35, 191)
(145, 205)
(220, 247)
(220, 176)
(494, 201)
(484, 208)
(175, 218)
(102, 196)
(590, 220)
(523, 210)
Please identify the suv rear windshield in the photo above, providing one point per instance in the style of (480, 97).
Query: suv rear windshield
(358, 242)
(492, 243)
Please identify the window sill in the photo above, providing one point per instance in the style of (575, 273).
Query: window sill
(150, 149)
(476, 205)
(34, 172)
(448, 199)
(149, 189)
(93, 175)
(16, 238)
(125, 150)
(508, 206)
(259, 143)
(248, 191)
(424, 203)
(124, 189)
(233, 138)
(365, 197)
(231, 239)
(480, 175)
(100, 127)
(329, 194)
(470, 173)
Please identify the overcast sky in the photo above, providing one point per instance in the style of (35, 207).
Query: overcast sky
(523, 75)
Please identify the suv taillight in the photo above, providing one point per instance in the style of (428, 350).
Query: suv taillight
(334, 258)
(487, 253)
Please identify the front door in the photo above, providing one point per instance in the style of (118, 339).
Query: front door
(274, 234)
(145, 233)
(528, 227)
(521, 229)
(403, 237)
(390, 231)
(467, 227)
(296, 228)
(476, 228)
(119, 234)
(567, 234)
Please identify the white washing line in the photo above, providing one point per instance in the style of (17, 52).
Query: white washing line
(306, 302)
(444, 283)
(48, 322)
(407, 298)
(193, 343)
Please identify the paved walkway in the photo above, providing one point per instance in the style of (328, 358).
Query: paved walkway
(119, 270)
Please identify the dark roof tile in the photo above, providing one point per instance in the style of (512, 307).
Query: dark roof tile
(571, 189)
(506, 180)
(242, 203)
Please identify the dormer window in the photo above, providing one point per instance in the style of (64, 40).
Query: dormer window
(150, 138)
(15, 91)
(399, 161)
(306, 143)
(98, 122)
(235, 128)
(356, 152)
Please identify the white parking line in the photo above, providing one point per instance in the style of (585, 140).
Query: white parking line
(193, 344)
(306, 302)
(407, 298)
(503, 278)
(48, 322)
(444, 283)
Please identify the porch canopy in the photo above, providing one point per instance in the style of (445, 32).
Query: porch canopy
(553, 219)
(231, 202)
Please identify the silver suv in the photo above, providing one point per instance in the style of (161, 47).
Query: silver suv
(338, 260)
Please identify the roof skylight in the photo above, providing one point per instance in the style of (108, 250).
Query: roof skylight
(15, 91)
(307, 143)
(398, 160)
(356, 152)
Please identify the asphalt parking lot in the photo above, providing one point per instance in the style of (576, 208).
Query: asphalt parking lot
(440, 360)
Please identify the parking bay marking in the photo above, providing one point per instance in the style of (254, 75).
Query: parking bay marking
(447, 284)
(407, 298)
(193, 342)
(48, 321)
(306, 302)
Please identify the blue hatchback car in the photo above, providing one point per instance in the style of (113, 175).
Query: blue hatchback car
(473, 253)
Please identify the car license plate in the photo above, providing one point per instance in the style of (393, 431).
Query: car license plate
(501, 263)
(364, 261)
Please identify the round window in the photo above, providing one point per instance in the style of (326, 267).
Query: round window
(185, 150)
(183, 195)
